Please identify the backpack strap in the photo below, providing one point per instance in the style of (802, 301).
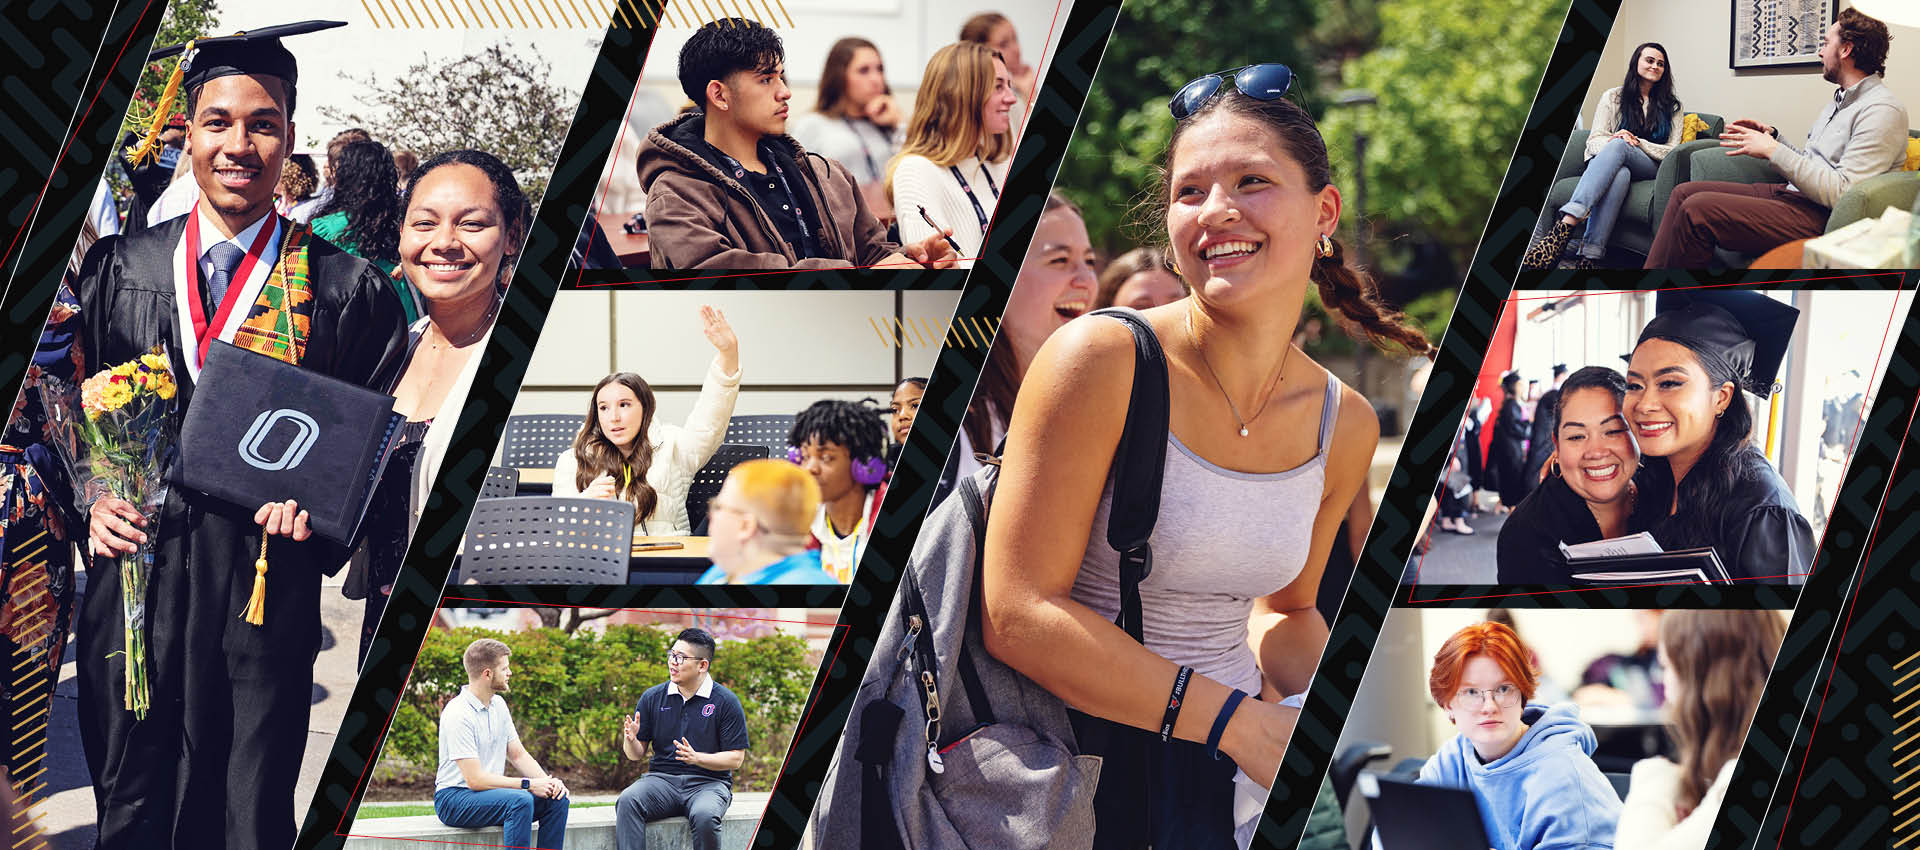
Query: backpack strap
(1138, 464)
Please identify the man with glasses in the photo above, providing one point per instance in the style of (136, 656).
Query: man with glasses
(699, 735)
(757, 527)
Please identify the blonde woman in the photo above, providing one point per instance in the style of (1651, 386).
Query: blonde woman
(954, 161)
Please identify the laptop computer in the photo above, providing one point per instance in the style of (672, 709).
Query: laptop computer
(1411, 816)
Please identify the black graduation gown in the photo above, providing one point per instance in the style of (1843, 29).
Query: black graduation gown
(1757, 530)
(215, 761)
(1475, 463)
(1528, 549)
(1546, 418)
(1508, 454)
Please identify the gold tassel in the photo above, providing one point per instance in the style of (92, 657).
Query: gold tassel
(256, 612)
(149, 147)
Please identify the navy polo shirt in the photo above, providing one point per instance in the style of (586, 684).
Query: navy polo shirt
(712, 721)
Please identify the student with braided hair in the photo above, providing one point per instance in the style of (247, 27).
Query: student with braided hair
(1265, 452)
(843, 445)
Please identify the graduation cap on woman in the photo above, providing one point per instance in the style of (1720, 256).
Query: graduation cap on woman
(203, 59)
(1747, 330)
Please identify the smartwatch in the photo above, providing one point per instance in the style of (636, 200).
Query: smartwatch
(526, 784)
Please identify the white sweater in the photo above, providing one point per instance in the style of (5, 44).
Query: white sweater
(1647, 819)
(678, 453)
(1606, 122)
(918, 182)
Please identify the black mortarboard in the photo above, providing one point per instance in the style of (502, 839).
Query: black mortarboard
(1747, 330)
(1559, 369)
(252, 52)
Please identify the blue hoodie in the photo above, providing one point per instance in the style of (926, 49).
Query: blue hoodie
(1544, 795)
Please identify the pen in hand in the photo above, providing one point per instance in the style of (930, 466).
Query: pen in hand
(938, 229)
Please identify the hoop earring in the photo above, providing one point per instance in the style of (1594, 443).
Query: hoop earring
(1324, 247)
(1556, 467)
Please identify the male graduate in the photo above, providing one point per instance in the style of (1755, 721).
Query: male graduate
(214, 761)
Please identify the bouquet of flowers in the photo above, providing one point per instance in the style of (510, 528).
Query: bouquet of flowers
(128, 449)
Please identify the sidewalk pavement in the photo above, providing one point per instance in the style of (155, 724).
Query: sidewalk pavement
(66, 815)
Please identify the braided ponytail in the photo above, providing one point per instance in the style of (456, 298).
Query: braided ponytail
(1354, 301)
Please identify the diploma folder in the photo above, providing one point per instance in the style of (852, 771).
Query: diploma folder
(1680, 565)
(262, 430)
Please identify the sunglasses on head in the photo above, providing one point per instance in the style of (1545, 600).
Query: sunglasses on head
(1265, 81)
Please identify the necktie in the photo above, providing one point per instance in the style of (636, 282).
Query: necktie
(226, 259)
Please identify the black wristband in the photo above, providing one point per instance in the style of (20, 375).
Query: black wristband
(1174, 700)
(1220, 723)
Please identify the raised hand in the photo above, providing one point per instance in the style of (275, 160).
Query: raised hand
(713, 323)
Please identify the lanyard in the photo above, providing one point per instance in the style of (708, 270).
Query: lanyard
(978, 211)
(205, 331)
(799, 215)
(865, 152)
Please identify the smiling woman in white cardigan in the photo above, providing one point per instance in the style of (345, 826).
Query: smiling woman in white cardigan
(623, 453)
(959, 144)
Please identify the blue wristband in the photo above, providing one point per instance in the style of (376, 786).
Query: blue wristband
(1174, 700)
(1220, 723)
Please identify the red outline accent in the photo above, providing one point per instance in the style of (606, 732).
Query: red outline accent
(593, 207)
(33, 212)
(1757, 286)
(1853, 598)
(360, 784)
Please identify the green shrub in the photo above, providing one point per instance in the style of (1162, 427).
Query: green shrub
(569, 694)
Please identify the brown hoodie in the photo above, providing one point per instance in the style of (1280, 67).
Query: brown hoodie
(699, 217)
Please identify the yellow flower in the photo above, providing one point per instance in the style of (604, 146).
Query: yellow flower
(125, 369)
(164, 390)
(154, 362)
(115, 396)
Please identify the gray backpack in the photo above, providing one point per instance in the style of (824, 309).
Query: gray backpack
(947, 747)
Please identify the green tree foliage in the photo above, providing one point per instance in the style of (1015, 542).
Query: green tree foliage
(1454, 79)
(183, 21)
(1452, 93)
(497, 100)
(569, 693)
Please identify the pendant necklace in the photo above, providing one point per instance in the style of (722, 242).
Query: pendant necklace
(1243, 423)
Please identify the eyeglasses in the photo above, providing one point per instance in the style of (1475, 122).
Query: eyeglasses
(1265, 81)
(1505, 696)
(678, 658)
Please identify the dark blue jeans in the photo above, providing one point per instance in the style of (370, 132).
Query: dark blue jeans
(511, 809)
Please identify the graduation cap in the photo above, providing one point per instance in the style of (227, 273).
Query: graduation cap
(203, 59)
(1747, 330)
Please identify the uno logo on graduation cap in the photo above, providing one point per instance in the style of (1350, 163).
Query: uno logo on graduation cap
(706, 710)
(307, 432)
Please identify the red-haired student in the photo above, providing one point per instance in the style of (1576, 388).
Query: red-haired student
(1528, 764)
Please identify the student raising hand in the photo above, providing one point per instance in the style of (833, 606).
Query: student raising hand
(713, 323)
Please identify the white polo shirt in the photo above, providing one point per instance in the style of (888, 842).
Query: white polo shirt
(469, 730)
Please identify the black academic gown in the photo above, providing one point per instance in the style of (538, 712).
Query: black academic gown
(1508, 454)
(1546, 418)
(1757, 530)
(215, 762)
(1528, 550)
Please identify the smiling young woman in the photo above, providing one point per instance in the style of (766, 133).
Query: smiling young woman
(1592, 490)
(958, 149)
(1686, 400)
(1264, 454)
(462, 218)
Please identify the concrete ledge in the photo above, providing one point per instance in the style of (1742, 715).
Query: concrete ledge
(587, 829)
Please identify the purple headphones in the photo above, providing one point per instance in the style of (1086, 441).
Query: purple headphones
(867, 472)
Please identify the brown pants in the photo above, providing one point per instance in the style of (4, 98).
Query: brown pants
(1750, 218)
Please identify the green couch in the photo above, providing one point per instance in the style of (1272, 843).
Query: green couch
(1646, 199)
(1866, 199)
